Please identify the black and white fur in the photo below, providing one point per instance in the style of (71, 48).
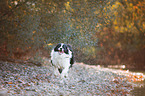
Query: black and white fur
(62, 59)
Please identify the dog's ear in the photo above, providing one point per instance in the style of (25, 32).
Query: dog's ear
(57, 46)
(69, 46)
(65, 48)
(72, 58)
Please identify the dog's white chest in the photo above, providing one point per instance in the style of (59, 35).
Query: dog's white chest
(60, 60)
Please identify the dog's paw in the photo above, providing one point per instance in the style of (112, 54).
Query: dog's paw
(64, 75)
(56, 73)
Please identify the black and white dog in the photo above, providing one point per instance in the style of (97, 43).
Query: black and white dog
(62, 59)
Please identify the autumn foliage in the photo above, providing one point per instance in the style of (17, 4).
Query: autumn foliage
(100, 31)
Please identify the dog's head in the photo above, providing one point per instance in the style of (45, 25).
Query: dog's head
(61, 48)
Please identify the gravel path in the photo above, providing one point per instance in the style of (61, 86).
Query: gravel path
(83, 80)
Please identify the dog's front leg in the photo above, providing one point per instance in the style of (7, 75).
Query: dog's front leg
(65, 72)
(56, 73)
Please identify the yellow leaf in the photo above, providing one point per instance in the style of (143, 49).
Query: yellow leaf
(129, 26)
(115, 22)
(10, 7)
(64, 11)
(143, 25)
(77, 27)
(131, 5)
(118, 44)
(34, 32)
(10, 83)
(96, 12)
(113, 6)
(71, 25)
(49, 44)
(67, 5)
(116, 27)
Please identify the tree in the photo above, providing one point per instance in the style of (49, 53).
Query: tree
(98, 29)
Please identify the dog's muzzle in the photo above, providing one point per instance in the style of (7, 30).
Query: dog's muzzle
(61, 51)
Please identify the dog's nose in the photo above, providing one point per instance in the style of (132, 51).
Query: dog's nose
(60, 49)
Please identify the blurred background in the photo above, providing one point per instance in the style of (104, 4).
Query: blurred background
(102, 32)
